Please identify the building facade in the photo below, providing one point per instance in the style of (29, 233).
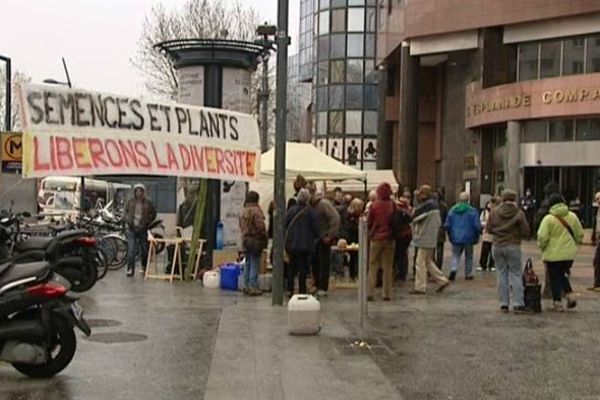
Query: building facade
(299, 121)
(343, 74)
(493, 94)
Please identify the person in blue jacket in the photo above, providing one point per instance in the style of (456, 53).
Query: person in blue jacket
(464, 228)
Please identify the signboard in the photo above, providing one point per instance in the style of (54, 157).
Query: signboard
(233, 196)
(77, 132)
(11, 151)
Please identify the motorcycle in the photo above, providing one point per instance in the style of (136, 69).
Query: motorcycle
(71, 253)
(37, 319)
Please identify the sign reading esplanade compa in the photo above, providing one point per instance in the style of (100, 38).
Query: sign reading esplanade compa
(568, 96)
(78, 132)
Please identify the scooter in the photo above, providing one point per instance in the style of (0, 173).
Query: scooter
(37, 319)
(71, 253)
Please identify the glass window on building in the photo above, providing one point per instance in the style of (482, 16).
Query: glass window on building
(337, 71)
(336, 122)
(338, 3)
(322, 73)
(356, 45)
(528, 61)
(593, 54)
(371, 97)
(371, 118)
(354, 122)
(587, 129)
(323, 48)
(336, 97)
(371, 20)
(370, 71)
(338, 45)
(356, 19)
(322, 97)
(323, 22)
(354, 97)
(573, 53)
(338, 20)
(356, 2)
(370, 45)
(534, 131)
(550, 59)
(560, 130)
(323, 4)
(354, 71)
(322, 123)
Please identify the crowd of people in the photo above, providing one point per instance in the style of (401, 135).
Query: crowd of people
(421, 220)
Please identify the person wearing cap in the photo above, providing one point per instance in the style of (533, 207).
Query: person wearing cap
(254, 241)
(301, 236)
(509, 226)
(139, 213)
(558, 237)
(426, 224)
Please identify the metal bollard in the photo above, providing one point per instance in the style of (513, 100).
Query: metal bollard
(363, 257)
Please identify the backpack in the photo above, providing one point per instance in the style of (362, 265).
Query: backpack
(400, 224)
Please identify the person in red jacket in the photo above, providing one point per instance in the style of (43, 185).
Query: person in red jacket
(382, 243)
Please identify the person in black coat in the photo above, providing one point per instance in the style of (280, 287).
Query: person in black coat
(302, 233)
(349, 231)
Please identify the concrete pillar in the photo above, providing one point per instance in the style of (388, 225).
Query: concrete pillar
(512, 157)
(406, 143)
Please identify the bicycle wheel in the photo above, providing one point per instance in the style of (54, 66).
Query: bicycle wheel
(101, 263)
(120, 258)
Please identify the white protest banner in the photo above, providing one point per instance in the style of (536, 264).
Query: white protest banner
(76, 132)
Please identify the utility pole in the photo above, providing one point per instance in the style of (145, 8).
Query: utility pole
(265, 31)
(283, 41)
(8, 93)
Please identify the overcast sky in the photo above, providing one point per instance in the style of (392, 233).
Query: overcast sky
(96, 37)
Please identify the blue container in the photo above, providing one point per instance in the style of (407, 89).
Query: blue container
(229, 276)
(220, 242)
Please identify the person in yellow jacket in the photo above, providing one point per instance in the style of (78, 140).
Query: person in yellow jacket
(559, 235)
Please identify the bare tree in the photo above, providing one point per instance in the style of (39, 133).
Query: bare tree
(18, 77)
(196, 19)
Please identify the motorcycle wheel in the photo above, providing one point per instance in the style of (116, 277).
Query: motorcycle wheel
(61, 351)
(86, 278)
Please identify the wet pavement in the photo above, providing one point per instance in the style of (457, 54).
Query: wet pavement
(155, 340)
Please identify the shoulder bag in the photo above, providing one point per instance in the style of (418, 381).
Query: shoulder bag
(567, 226)
(286, 255)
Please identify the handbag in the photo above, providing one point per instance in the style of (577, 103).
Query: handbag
(529, 276)
(286, 255)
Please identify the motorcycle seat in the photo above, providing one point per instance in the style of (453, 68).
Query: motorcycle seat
(35, 243)
(4, 267)
(16, 272)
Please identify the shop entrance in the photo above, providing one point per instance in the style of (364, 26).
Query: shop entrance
(573, 182)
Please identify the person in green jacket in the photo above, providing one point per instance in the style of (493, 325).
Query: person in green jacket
(558, 237)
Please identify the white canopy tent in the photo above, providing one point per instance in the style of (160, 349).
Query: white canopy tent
(306, 160)
(375, 177)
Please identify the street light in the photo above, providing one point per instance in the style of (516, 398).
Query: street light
(51, 81)
(265, 31)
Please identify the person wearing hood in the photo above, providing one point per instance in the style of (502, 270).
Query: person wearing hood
(558, 237)
(509, 226)
(302, 232)
(139, 213)
(425, 227)
(463, 227)
(381, 251)
(329, 226)
(254, 241)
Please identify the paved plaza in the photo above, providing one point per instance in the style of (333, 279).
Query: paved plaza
(155, 340)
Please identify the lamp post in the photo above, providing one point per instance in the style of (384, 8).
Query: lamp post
(265, 31)
(7, 104)
(283, 42)
(68, 83)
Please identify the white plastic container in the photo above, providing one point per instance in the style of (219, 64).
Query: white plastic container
(304, 315)
(265, 282)
(211, 280)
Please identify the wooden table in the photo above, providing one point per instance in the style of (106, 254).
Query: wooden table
(179, 243)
